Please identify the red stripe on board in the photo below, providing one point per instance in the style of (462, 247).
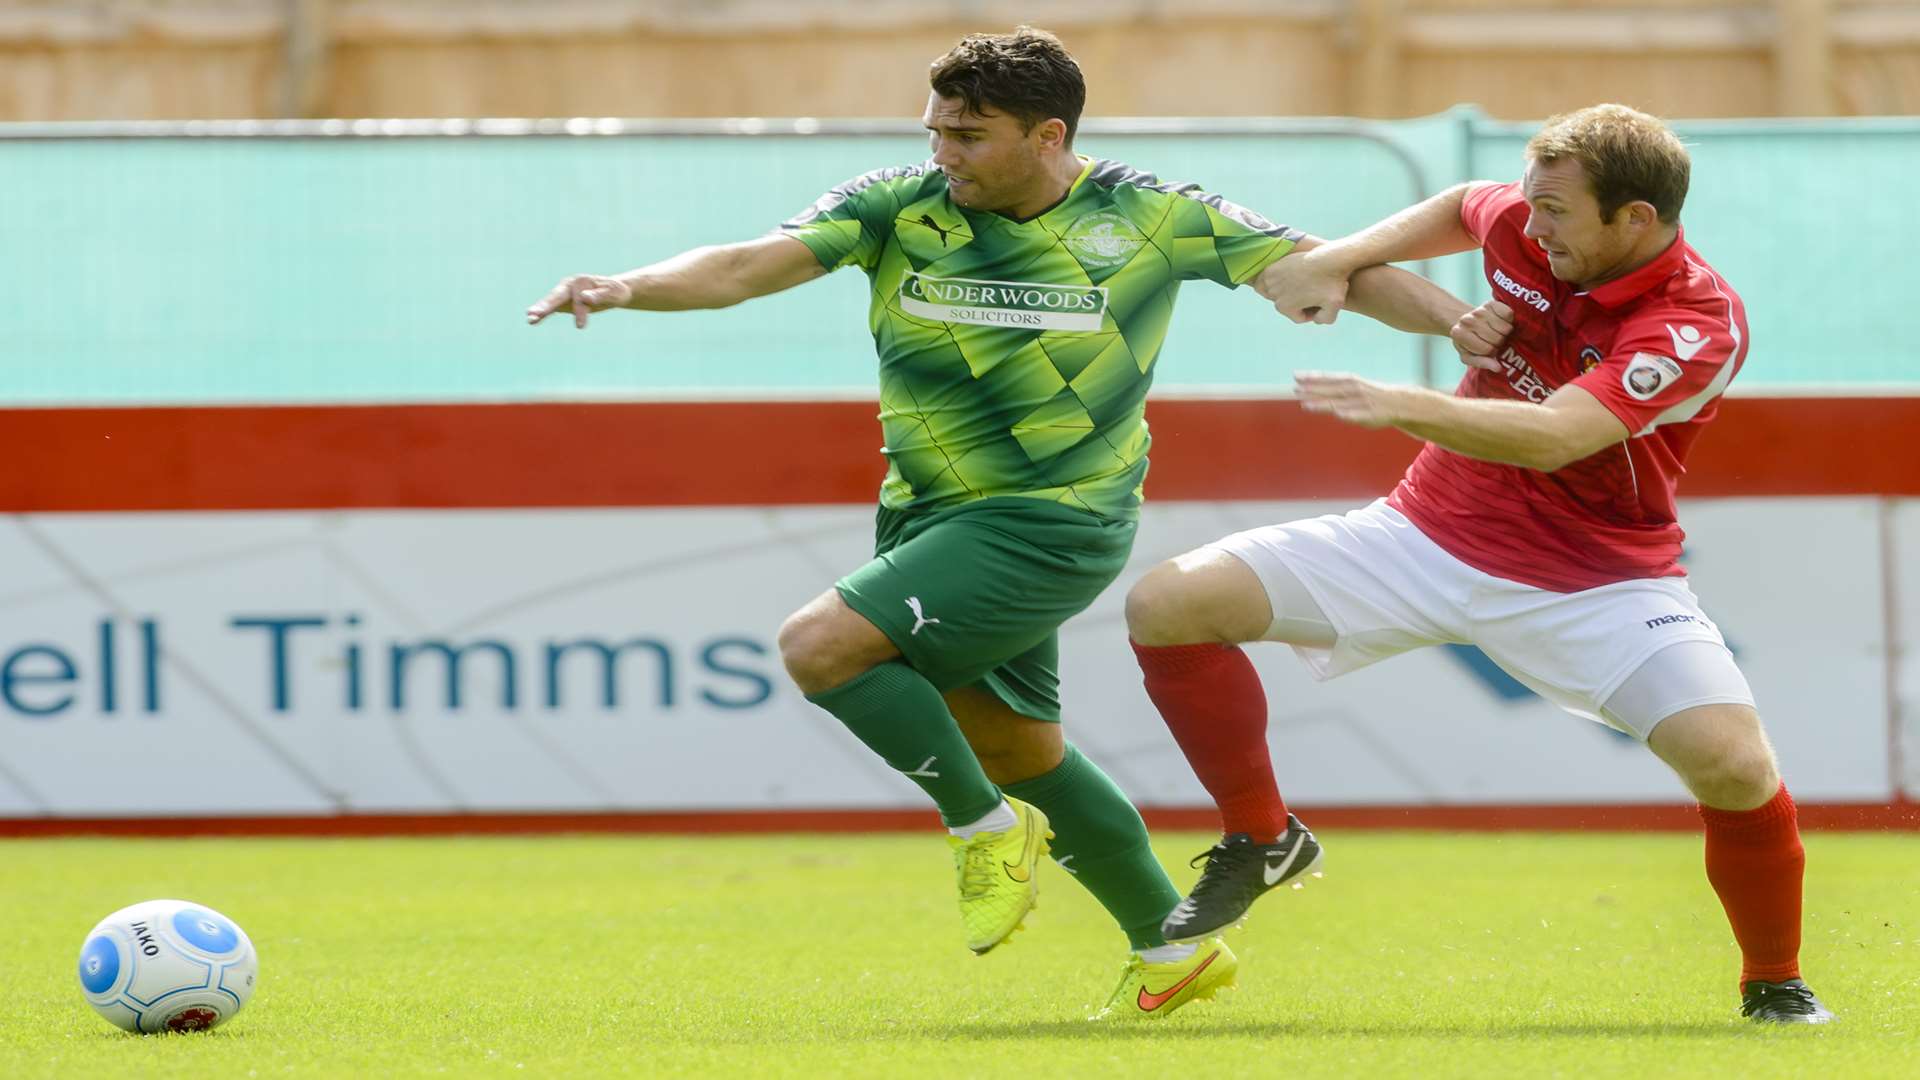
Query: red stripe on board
(439, 456)
(1900, 816)
(775, 453)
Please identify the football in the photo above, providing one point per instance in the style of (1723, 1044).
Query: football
(167, 965)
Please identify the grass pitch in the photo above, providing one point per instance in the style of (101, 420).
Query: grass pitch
(1420, 955)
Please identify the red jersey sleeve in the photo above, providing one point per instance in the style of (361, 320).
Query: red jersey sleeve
(1665, 367)
(1483, 206)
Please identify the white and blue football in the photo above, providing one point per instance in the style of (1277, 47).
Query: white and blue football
(167, 965)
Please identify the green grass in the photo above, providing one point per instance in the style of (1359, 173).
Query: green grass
(1420, 955)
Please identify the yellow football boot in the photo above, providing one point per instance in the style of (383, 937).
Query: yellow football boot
(1151, 991)
(998, 875)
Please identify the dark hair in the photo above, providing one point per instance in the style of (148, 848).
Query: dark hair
(1026, 74)
(1628, 156)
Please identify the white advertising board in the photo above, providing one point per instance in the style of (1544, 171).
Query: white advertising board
(1904, 608)
(589, 660)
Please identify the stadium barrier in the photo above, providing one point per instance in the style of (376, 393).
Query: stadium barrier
(510, 610)
(262, 575)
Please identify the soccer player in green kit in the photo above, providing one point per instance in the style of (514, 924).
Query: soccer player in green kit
(1020, 294)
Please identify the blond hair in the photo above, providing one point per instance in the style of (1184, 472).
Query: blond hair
(1628, 156)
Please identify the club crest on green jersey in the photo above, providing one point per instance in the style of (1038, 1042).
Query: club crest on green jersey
(1103, 239)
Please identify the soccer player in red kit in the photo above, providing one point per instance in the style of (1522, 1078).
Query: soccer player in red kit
(1537, 523)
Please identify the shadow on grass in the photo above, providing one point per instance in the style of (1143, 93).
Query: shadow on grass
(106, 1035)
(1213, 1028)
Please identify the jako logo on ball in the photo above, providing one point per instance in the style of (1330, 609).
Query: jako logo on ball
(167, 965)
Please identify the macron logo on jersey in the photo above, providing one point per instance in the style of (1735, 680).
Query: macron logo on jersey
(1527, 295)
(1687, 341)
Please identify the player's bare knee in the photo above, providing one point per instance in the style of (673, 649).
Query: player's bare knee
(796, 647)
(1154, 607)
(1170, 606)
(808, 649)
(1747, 780)
(1740, 777)
(827, 643)
(1721, 753)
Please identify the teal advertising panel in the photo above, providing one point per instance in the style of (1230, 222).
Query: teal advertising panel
(391, 261)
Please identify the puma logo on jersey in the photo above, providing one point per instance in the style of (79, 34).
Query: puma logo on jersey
(919, 618)
(1687, 341)
(927, 220)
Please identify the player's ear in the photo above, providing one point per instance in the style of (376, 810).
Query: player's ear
(1642, 215)
(1052, 133)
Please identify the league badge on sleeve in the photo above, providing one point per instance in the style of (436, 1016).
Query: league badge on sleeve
(1647, 374)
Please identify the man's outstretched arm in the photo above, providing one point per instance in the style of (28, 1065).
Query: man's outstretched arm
(705, 277)
(1312, 283)
(1387, 294)
(1571, 424)
(1404, 300)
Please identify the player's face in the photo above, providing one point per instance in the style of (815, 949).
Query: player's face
(991, 164)
(1565, 221)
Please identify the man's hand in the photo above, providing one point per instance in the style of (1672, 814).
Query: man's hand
(1480, 333)
(585, 294)
(1350, 397)
(1305, 286)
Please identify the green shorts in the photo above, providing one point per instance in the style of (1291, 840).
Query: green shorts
(975, 594)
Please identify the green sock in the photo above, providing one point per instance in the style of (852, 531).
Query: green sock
(1099, 838)
(900, 716)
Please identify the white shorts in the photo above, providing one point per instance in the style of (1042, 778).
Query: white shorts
(1385, 588)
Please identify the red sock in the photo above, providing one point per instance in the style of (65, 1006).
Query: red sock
(1755, 862)
(1213, 703)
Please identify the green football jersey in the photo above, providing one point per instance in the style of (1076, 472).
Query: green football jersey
(1015, 356)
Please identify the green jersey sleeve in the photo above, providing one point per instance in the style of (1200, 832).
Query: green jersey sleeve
(1224, 242)
(1205, 236)
(848, 226)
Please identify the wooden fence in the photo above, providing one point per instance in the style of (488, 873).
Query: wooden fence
(1519, 59)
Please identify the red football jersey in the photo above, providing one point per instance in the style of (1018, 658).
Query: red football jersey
(1657, 347)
